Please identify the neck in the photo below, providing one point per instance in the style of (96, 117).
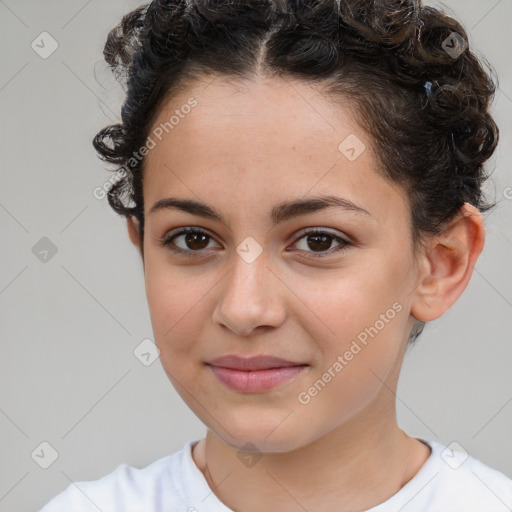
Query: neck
(354, 467)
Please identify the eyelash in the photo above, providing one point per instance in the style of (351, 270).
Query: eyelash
(167, 242)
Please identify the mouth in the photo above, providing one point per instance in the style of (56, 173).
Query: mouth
(255, 374)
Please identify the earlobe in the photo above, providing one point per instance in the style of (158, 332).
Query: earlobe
(448, 264)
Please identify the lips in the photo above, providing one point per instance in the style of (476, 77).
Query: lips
(254, 374)
(252, 363)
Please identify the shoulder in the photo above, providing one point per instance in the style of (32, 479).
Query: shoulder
(130, 489)
(470, 482)
(451, 480)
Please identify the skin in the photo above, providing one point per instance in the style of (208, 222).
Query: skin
(243, 149)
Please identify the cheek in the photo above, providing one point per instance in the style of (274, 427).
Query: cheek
(339, 308)
(360, 329)
(176, 301)
(357, 366)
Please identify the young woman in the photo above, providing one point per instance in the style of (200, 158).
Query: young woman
(304, 183)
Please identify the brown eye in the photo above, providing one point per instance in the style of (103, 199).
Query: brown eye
(320, 242)
(196, 240)
(188, 240)
(193, 242)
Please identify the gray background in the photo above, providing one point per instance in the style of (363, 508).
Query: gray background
(68, 327)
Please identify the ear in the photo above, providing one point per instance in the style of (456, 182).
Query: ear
(133, 232)
(447, 264)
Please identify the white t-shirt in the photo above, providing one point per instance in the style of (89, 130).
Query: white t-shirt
(449, 481)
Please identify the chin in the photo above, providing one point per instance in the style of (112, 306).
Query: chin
(253, 440)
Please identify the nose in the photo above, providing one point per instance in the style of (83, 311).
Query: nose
(251, 297)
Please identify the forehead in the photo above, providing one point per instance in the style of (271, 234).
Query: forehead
(253, 143)
(278, 111)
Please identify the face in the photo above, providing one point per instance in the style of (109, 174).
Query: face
(328, 288)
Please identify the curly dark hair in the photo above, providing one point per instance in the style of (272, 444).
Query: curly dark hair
(419, 92)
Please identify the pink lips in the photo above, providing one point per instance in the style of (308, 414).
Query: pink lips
(254, 374)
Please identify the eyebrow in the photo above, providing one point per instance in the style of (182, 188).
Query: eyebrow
(280, 213)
